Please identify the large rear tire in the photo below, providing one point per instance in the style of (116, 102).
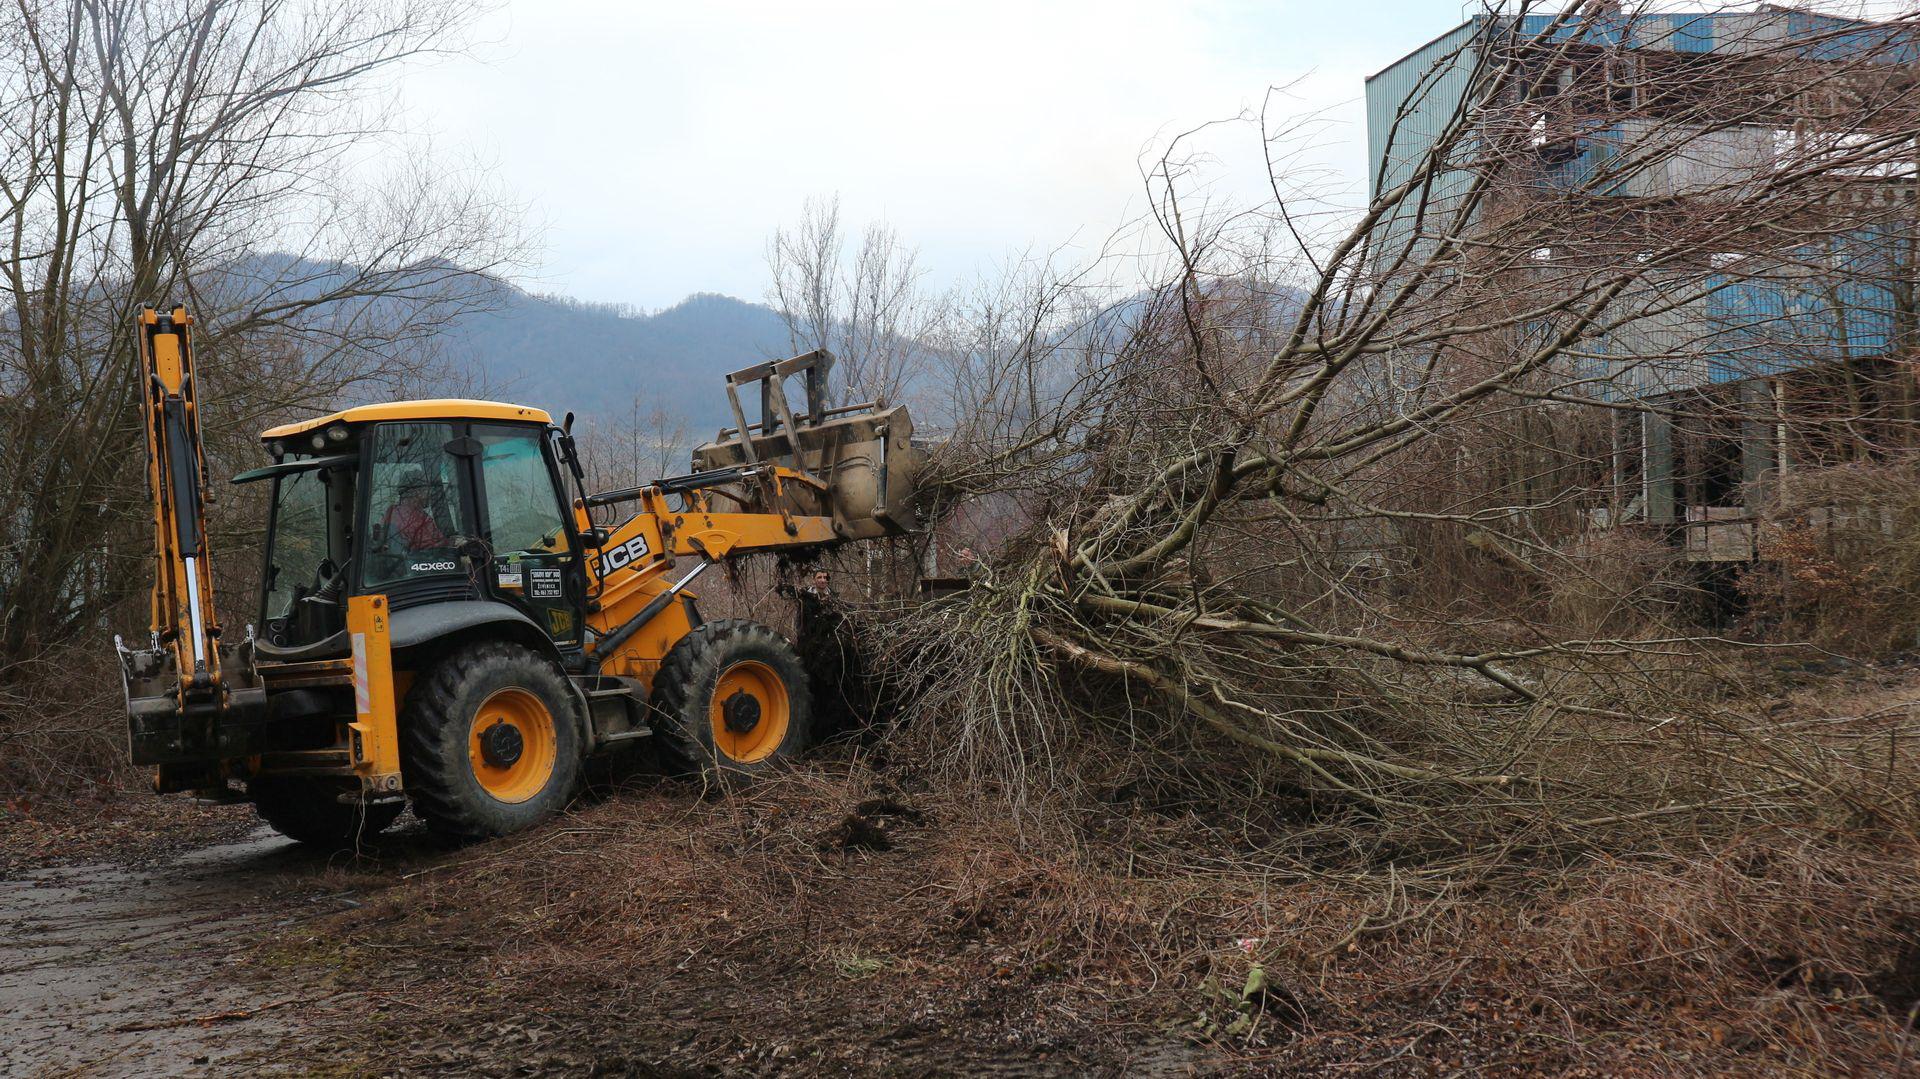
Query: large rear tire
(308, 809)
(490, 742)
(731, 698)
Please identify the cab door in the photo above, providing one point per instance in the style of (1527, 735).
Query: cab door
(415, 515)
(534, 561)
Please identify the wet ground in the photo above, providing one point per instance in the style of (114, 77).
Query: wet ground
(128, 967)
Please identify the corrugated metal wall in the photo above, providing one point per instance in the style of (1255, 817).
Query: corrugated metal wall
(1756, 321)
(1825, 305)
(1408, 107)
(1430, 82)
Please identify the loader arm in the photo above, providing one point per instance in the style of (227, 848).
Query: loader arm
(799, 479)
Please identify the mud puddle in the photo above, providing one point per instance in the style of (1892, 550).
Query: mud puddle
(128, 969)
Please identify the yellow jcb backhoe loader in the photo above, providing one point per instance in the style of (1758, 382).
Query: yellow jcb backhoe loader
(441, 623)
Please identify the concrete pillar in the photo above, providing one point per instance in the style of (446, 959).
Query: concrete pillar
(1617, 465)
(1757, 437)
(1656, 465)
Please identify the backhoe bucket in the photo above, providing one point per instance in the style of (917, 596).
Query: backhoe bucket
(187, 721)
(858, 463)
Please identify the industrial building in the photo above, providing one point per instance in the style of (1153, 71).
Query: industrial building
(1797, 348)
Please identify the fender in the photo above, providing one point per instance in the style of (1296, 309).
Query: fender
(424, 625)
(421, 625)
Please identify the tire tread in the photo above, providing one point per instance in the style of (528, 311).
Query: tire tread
(693, 662)
(433, 741)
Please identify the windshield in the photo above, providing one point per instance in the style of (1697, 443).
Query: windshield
(297, 543)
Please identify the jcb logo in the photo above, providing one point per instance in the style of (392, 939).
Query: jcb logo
(624, 555)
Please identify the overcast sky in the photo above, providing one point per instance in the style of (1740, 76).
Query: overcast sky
(657, 145)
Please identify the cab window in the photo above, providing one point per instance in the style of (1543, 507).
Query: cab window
(297, 544)
(522, 507)
(413, 503)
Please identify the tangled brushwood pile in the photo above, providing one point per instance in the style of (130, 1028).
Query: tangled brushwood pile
(1198, 603)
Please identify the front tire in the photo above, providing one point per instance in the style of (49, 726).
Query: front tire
(308, 809)
(490, 742)
(731, 698)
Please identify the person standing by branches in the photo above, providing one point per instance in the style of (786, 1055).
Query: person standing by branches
(827, 647)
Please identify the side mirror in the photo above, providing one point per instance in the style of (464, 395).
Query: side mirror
(595, 537)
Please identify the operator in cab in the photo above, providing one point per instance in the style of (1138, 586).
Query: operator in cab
(409, 522)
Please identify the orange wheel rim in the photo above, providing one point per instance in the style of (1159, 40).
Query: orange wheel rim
(513, 745)
(750, 712)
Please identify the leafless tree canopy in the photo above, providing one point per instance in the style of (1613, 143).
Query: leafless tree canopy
(870, 311)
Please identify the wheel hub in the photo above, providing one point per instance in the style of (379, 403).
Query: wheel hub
(502, 744)
(741, 711)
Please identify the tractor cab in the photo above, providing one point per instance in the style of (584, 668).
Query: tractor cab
(424, 503)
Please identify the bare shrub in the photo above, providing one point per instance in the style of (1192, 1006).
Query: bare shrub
(1842, 549)
(54, 737)
(206, 153)
(1620, 582)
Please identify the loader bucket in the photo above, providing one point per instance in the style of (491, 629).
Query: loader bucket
(858, 462)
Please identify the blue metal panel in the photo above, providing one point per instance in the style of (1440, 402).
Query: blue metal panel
(1835, 37)
(1822, 304)
(1766, 326)
(1689, 33)
(1597, 29)
(1832, 38)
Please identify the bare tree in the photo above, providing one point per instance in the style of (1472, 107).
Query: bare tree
(212, 153)
(871, 312)
(653, 442)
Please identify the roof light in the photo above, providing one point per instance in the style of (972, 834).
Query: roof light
(337, 433)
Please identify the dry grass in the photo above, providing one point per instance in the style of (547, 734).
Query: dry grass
(867, 920)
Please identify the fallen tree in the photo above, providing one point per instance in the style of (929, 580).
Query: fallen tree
(1314, 516)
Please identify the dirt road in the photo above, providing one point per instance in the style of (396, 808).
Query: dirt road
(127, 968)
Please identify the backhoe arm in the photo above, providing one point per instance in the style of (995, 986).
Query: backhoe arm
(182, 611)
(192, 700)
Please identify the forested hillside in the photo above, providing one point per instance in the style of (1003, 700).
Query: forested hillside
(596, 359)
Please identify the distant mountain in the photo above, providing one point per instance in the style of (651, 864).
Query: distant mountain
(596, 359)
(552, 352)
